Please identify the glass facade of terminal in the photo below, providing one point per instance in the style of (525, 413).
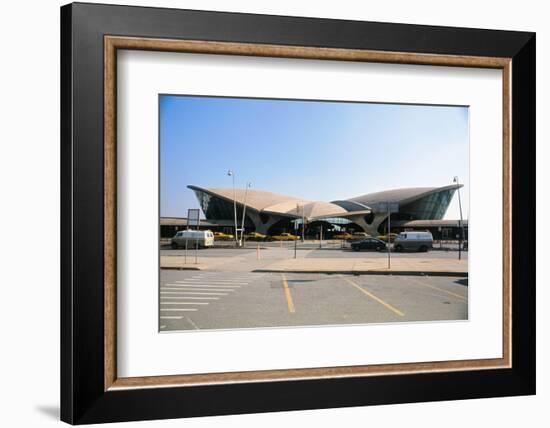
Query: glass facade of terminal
(430, 207)
(220, 209)
(215, 208)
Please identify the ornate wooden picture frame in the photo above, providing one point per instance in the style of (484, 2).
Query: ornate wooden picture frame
(91, 390)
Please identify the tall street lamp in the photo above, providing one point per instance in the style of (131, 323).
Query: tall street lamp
(231, 173)
(303, 224)
(248, 185)
(455, 180)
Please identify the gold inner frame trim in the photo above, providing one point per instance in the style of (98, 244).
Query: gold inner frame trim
(113, 43)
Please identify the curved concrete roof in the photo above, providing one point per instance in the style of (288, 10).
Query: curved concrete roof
(269, 202)
(402, 196)
(275, 203)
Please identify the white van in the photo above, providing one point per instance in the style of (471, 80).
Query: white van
(416, 241)
(200, 238)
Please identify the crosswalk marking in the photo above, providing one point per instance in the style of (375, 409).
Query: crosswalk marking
(189, 294)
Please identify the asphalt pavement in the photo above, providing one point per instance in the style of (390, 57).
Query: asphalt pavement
(203, 300)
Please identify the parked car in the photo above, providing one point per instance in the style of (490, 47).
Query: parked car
(200, 238)
(254, 236)
(284, 237)
(223, 236)
(361, 235)
(368, 244)
(342, 235)
(384, 238)
(414, 241)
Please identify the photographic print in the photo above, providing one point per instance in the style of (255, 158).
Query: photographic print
(272, 196)
(281, 213)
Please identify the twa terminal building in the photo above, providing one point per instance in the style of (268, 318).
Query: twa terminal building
(271, 213)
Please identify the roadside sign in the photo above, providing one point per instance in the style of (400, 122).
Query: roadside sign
(193, 217)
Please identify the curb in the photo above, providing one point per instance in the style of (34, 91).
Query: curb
(368, 272)
(179, 268)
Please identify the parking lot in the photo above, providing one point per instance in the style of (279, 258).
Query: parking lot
(200, 300)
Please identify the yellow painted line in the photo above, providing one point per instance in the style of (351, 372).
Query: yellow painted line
(288, 296)
(440, 289)
(372, 296)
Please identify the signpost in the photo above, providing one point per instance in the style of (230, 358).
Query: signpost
(387, 207)
(193, 219)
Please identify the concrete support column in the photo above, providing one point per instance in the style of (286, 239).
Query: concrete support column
(371, 229)
(261, 227)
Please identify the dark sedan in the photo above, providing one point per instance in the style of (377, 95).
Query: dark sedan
(369, 244)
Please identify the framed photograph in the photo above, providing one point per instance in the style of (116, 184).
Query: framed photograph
(266, 213)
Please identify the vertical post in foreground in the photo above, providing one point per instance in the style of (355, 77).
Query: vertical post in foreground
(185, 258)
(461, 225)
(388, 236)
(231, 174)
(196, 249)
(248, 185)
(303, 224)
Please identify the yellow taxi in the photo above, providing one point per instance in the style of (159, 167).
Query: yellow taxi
(254, 236)
(385, 237)
(223, 236)
(343, 235)
(284, 237)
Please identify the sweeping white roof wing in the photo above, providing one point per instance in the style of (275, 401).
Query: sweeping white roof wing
(274, 203)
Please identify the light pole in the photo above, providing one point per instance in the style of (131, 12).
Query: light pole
(248, 185)
(296, 224)
(231, 173)
(455, 180)
(303, 225)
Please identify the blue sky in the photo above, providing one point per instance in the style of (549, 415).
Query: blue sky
(316, 150)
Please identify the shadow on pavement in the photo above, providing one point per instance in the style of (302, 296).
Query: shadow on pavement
(462, 281)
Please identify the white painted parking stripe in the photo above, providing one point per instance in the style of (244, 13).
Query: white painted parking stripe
(224, 278)
(184, 303)
(171, 284)
(190, 298)
(194, 293)
(215, 280)
(169, 317)
(208, 281)
(221, 284)
(203, 285)
(179, 309)
(183, 287)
